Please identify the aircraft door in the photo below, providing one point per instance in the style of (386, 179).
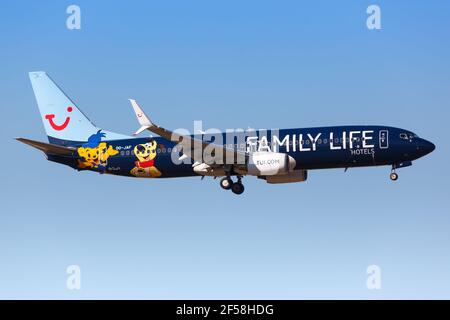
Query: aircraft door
(384, 139)
(381, 154)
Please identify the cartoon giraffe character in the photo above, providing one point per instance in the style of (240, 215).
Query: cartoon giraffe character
(145, 165)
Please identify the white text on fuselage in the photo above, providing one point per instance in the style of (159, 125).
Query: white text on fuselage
(358, 142)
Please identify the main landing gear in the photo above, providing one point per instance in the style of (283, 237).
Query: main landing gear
(226, 183)
(393, 175)
(236, 187)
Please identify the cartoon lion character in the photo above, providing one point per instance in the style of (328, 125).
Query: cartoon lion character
(145, 166)
(94, 154)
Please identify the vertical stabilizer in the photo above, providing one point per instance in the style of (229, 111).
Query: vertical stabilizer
(64, 123)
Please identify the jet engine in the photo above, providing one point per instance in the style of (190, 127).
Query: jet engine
(270, 164)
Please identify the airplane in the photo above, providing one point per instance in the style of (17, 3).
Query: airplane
(276, 156)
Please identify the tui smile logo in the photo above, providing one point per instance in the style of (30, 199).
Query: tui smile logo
(58, 127)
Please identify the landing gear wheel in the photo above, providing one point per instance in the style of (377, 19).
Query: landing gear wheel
(237, 188)
(393, 176)
(226, 183)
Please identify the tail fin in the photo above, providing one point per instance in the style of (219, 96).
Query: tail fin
(64, 123)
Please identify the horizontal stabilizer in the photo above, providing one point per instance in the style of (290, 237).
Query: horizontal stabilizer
(48, 148)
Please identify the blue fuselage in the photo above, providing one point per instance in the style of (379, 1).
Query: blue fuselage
(312, 148)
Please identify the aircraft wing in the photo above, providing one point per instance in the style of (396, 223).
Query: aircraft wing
(189, 143)
(48, 147)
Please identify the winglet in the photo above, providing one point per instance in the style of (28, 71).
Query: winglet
(141, 129)
(143, 119)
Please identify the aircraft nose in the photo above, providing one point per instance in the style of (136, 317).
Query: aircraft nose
(425, 146)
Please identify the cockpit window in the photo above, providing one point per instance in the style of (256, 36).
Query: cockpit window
(407, 135)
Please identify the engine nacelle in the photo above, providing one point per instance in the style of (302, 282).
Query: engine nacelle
(294, 176)
(269, 164)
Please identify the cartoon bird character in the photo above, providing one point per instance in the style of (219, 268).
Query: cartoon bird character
(145, 166)
(94, 154)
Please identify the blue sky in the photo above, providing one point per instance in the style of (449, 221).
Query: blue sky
(232, 64)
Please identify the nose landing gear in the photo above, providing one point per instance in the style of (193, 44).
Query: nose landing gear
(393, 175)
(236, 187)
